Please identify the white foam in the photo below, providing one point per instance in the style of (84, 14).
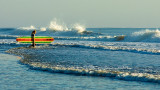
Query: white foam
(79, 28)
(120, 48)
(145, 36)
(43, 29)
(144, 77)
(57, 26)
(148, 33)
(28, 28)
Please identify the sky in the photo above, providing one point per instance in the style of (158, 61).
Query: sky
(91, 13)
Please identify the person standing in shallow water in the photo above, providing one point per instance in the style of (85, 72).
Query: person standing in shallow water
(33, 38)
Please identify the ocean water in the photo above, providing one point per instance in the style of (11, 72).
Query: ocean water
(81, 59)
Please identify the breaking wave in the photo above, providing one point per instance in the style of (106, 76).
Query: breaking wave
(59, 26)
(59, 30)
(144, 36)
(79, 28)
(144, 77)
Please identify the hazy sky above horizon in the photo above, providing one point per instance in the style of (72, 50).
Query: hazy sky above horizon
(91, 13)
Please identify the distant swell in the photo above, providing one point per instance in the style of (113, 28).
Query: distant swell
(8, 37)
(98, 38)
(7, 28)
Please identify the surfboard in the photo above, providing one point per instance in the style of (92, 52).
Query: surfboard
(38, 39)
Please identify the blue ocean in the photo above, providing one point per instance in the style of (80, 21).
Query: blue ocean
(81, 59)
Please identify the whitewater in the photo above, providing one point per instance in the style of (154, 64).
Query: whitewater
(81, 58)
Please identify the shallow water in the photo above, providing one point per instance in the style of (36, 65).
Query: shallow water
(16, 76)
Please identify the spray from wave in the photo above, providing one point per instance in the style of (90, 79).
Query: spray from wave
(27, 28)
(145, 36)
(59, 26)
(32, 28)
(43, 29)
(56, 25)
(79, 28)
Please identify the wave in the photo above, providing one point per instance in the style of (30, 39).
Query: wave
(80, 31)
(60, 27)
(129, 76)
(30, 28)
(144, 36)
(48, 32)
(8, 36)
(75, 29)
(144, 77)
(57, 26)
(43, 29)
(140, 36)
(113, 48)
(79, 28)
